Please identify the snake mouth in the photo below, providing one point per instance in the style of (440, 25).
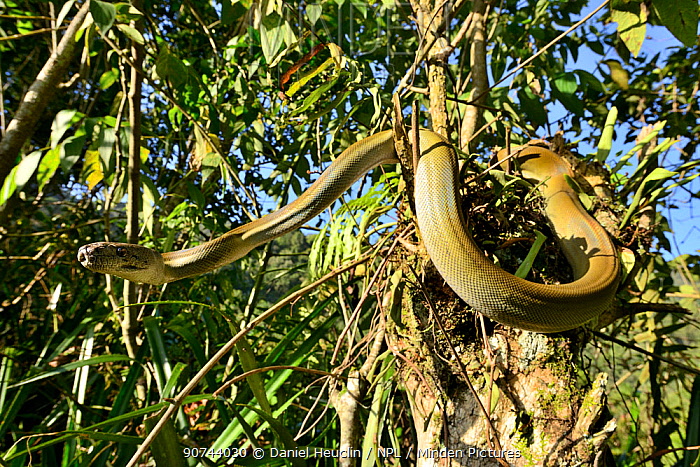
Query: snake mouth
(83, 257)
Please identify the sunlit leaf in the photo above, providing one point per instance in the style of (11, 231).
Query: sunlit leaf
(19, 175)
(103, 14)
(49, 164)
(632, 26)
(680, 17)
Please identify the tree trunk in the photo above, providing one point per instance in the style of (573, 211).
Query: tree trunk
(527, 383)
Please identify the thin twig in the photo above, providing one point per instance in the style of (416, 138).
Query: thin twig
(545, 48)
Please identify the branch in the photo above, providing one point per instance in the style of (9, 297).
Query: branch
(38, 96)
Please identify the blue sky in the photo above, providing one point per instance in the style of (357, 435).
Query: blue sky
(685, 238)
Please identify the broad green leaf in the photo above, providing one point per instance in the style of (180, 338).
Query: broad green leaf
(149, 198)
(566, 83)
(196, 195)
(680, 17)
(131, 33)
(627, 261)
(63, 120)
(103, 14)
(271, 37)
(618, 74)
(570, 101)
(65, 9)
(49, 164)
(590, 80)
(26, 168)
(631, 25)
(313, 12)
(233, 10)
(19, 175)
(108, 78)
(106, 140)
(169, 67)
(532, 107)
(175, 117)
(127, 12)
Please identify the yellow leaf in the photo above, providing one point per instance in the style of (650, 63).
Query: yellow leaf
(93, 168)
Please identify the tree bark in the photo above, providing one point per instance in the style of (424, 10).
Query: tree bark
(526, 383)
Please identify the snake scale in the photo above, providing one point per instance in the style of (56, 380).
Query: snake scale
(484, 286)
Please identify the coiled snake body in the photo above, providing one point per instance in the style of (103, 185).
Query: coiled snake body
(497, 294)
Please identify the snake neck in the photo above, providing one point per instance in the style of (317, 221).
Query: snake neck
(353, 163)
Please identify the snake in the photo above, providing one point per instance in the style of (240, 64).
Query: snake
(499, 295)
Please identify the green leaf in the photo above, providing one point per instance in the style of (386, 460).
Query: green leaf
(271, 36)
(658, 126)
(232, 11)
(108, 78)
(570, 101)
(92, 169)
(526, 265)
(566, 83)
(590, 80)
(101, 360)
(127, 12)
(19, 175)
(648, 188)
(692, 430)
(49, 164)
(65, 9)
(680, 17)
(254, 380)
(63, 120)
(315, 95)
(307, 77)
(131, 33)
(196, 195)
(532, 106)
(605, 143)
(313, 12)
(103, 14)
(631, 25)
(169, 67)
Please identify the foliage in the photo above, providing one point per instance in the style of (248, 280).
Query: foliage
(223, 144)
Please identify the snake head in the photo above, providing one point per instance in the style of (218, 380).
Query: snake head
(132, 262)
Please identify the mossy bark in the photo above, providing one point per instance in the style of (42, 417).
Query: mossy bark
(542, 411)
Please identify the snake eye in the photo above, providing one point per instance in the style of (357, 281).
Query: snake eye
(121, 252)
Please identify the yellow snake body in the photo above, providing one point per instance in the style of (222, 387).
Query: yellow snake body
(487, 288)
